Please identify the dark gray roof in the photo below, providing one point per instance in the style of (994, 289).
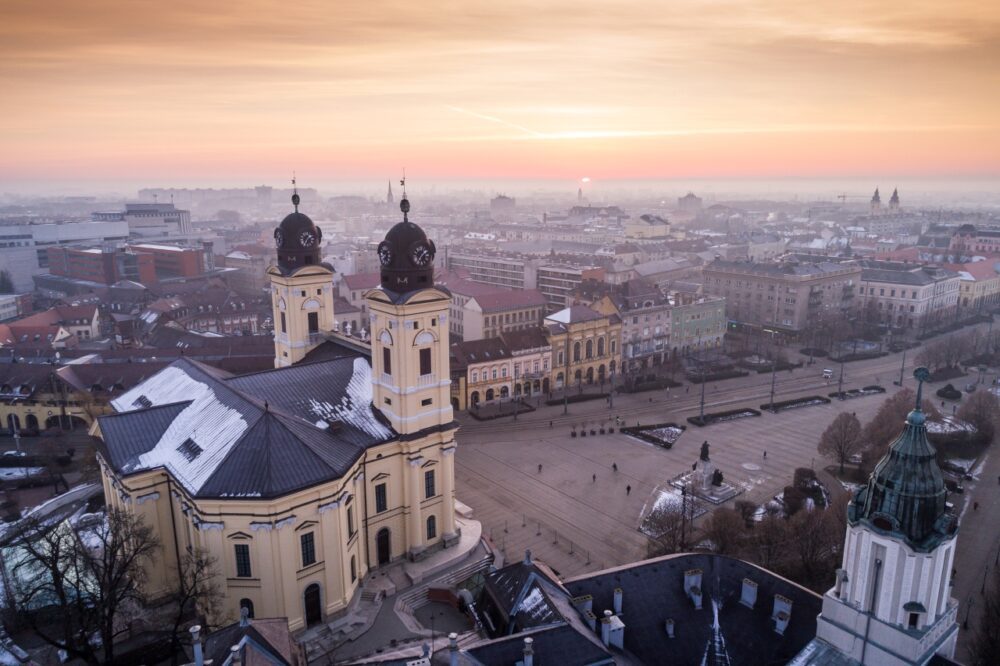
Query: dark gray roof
(899, 273)
(561, 645)
(260, 435)
(653, 591)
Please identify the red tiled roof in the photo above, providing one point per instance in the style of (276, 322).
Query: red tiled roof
(362, 280)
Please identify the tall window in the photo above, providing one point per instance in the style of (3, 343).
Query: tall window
(284, 329)
(350, 521)
(313, 318)
(242, 551)
(431, 527)
(429, 484)
(386, 360)
(354, 569)
(425, 361)
(248, 604)
(308, 543)
(381, 500)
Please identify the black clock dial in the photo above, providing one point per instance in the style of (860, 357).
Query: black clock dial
(421, 254)
(385, 254)
(307, 239)
(279, 238)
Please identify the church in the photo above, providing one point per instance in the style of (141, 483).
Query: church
(300, 480)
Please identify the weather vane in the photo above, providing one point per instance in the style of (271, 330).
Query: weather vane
(295, 193)
(404, 203)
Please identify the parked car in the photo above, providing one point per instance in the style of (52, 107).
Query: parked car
(827, 373)
(15, 454)
(970, 388)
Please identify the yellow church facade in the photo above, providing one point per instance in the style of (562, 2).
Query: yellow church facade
(299, 481)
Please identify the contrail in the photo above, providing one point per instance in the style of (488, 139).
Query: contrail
(499, 121)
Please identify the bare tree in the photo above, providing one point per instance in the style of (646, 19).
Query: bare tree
(767, 542)
(813, 537)
(985, 644)
(726, 530)
(982, 409)
(842, 439)
(92, 580)
(198, 593)
(666, 530)
(888, 422)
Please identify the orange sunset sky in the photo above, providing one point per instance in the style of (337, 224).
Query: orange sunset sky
(181, 91)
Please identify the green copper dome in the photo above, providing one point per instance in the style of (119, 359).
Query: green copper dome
(905, 495)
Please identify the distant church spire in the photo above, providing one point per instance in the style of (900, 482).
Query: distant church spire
(894, 200)
(876, 202)
(389, 199)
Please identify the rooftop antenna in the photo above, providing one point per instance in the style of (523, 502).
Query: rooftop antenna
(404, 203)
(295, 193)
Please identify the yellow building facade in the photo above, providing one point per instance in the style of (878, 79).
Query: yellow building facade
(585, 346)
(301, 480)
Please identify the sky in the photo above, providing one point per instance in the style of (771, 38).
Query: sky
(181, 92)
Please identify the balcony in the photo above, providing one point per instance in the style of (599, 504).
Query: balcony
(427, 380)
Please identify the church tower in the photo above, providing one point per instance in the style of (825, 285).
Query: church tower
(409, 332)
(894, 201)
(301, 288)
(388, 197)
(891, 604)
(876, 203)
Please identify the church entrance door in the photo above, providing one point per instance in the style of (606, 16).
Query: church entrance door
(382, 546)
(314, 607)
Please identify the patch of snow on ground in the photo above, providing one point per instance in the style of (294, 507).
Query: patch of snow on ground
(965, 464)
(14, 473)
(751, 466)
(949, 425)
(669, 434)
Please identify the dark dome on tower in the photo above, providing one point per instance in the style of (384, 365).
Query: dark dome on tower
(406, 256)
(297, 240)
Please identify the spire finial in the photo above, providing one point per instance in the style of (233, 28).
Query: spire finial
(295, 193)
(922, 375)
(404, 203)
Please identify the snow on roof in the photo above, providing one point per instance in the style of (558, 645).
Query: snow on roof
(209, 423)
(354, 407)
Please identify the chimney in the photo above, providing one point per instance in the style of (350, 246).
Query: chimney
(199, 656)
(453, 649)
(527, 557)
(782, 613)
(618, 601)
(606, 628)
(670, 627)
(234, 656)
(244, 616)
(529, 653)
(748, 596)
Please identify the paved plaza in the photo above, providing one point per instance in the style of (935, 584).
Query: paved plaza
(576, 524)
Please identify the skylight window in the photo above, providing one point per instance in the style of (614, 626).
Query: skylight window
(142, 401)
(189, 450)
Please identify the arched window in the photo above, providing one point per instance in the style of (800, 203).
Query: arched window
(494, 373)
(354, 569)
(504, 392)
(503, 371)
(475, 377)
(576, 351)
(246, 603)
(590, 349)
(431, 527)
(489, 394)
(600, 346)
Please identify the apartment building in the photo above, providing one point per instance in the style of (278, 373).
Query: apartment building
(494, 268)
(906, 297)
(783, 294)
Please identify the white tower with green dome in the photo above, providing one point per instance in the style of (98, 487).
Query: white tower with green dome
(891, 603)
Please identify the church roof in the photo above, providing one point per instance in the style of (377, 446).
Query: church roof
(259, 435)
(905, 495)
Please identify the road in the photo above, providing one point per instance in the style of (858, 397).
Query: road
(534, 486)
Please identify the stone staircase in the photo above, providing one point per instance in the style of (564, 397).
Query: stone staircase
(408, 602)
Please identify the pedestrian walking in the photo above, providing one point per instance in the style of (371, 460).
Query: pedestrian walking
(765, 454)
(539, 468)
(594, 478)
(687, 389)
(550, 424)
(614, 466)
(975, 506)
(628, 490)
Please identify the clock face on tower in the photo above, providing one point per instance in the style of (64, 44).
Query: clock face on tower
(307, 239)
(421, 254)
(279, 238)
(384, 253)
